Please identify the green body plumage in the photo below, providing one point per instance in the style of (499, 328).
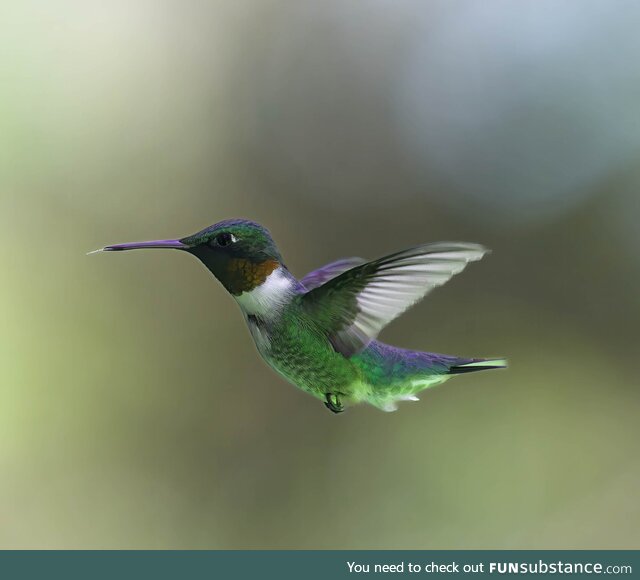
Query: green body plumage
(382, 375)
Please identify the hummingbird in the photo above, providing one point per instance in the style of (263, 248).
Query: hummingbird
(320, 332)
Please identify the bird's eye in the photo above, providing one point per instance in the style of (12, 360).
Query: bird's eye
(224, 239)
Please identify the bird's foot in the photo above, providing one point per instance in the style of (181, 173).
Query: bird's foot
(333, 403)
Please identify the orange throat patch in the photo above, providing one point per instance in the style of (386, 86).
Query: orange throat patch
(244, 275)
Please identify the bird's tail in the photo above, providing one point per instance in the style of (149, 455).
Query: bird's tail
(478, 364)
(394, 374)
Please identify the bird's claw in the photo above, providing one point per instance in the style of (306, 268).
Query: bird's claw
(333, 403)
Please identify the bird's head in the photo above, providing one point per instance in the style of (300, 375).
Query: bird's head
(240, 253)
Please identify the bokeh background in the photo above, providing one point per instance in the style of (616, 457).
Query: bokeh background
(134, 411)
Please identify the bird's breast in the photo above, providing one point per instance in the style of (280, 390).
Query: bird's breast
(260, 334)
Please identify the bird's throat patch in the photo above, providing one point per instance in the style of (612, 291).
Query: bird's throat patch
(244, 275)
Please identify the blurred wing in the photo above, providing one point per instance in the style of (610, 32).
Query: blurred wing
(321, 275)
(356, 305)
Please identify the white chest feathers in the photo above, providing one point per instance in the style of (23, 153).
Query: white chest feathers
(270, 296)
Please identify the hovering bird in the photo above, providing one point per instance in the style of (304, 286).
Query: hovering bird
(320, 332)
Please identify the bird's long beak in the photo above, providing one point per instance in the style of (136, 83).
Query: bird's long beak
(167, 244)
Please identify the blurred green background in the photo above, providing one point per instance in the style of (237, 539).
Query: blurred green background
(134, 410)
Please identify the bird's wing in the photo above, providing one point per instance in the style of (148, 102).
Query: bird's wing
(327, 272)
(355, 306)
